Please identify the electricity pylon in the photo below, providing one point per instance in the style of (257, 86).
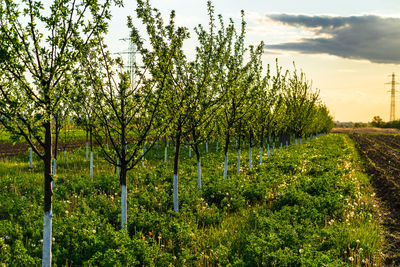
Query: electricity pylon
(392, 97)
(131, 60)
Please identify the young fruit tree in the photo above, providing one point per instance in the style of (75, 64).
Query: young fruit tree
(39, 46)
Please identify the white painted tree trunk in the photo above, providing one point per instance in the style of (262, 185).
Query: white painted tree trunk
(199, 173)
(54, 166)
(30, 158)
(176, 203)
(167, 141)
(226, 165)
(107, 146)
(165, 154)
(268, 150)
(190, 152)
(217, 146)
(287, 146)
(236, 142)
(206, 147)
(91, 164)
(46, 250)
(250, 157)
(87, 151)
(261, 154)
(238, 164)
(295, 142)
(124, 220)
(273, 147)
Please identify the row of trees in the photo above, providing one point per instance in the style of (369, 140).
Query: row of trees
(55, 64)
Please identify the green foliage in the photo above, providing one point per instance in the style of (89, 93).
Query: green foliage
(306, 206)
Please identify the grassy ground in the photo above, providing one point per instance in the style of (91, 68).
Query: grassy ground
(309, 205)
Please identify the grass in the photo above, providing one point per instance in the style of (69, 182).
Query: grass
(310, 205)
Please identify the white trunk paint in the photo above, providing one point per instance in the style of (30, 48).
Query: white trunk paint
(124, 220)
(206, 147)
(217, 146)
(117, 167)
(268, 150)
(65, 156)
(295, 142)
(226, 165)
(238, 164)
(273, 147)
(287, 146)
(250, 157)
(54, 166)
(261, 153)
(236, 142)
(190, 152)
(199, 173)
(91, 164)
(167, 141)
(107, 146)
(165, 154)
(46, 256)
(176, 203)
(30, 158)
(87, 151)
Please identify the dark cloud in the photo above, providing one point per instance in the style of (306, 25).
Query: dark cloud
(369, 37)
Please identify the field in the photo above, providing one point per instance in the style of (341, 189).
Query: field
(382, 162)
(368, 130)
(309, 205)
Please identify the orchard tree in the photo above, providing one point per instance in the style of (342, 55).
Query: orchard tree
(125, 111)
(299, 100)
(38, 49)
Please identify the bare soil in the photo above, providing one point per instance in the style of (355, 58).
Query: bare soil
(366, 130)
(11, 150)
(382, 157)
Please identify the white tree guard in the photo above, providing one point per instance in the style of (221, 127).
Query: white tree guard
(176, 201)
(206, 147)
(165, 154)
(268, 150)
(124, 220)
(250, 157)
(190, 152)
(87, 151)
(47, 233)
(117, 167)
(91, 164)
(261, 154)
(216, 149)
(54, 166)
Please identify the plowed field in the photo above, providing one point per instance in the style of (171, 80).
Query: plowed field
(382, 156)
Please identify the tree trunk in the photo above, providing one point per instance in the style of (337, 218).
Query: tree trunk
(238, 164)
(196, 149)
(250, 151)
(48, 194)
(91, 153)
(176, 163)
(226, 155)
(30, 158)
(124, 220)
(87, 144)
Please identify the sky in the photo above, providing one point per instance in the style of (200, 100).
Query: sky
(347, 49)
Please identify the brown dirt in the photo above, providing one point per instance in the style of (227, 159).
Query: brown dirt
(10, 150)
(382, 156)
(366, 130)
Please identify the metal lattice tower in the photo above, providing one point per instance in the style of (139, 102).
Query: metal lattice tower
(393, 97)
(130, 61)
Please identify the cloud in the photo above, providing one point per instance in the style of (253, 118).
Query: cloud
(367, 37)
